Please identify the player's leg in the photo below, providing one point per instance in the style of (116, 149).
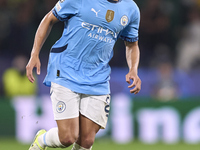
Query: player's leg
(68, 131)
(94, 114)
(62, 136)
(66, 113)
(87, 133)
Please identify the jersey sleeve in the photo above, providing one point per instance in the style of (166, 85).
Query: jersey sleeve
(64, 9)
(130, 33)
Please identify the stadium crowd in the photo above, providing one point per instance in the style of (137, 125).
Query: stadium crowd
(169, 38)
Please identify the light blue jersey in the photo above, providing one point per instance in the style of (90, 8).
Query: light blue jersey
(79, 59)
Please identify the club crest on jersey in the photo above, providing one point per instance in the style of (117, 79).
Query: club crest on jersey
(110, 15)
(61, 1)
(124, 20)
(60, 107)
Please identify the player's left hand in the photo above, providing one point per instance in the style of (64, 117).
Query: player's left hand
(136, 82)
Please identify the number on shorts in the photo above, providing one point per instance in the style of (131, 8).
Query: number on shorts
(107, 107)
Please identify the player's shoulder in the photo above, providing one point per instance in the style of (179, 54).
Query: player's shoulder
(132, 5)
(69, 2)
(68, 6)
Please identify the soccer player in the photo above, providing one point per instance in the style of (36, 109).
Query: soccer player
(78, 70)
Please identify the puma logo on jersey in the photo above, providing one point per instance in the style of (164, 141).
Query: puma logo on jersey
(96, 12)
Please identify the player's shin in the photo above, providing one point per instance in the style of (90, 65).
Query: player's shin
(51, 139)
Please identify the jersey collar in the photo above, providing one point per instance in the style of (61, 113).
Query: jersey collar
(112, 1)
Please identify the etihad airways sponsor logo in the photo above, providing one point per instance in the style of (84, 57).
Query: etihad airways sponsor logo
(100, 38)
(98, 29)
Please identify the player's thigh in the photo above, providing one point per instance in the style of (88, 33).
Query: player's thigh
(87, 132)
(94, 114)
(65, 105)
(68, 129)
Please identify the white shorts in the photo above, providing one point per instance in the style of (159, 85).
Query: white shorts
(67, 104)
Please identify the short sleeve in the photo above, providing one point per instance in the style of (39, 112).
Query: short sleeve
(130, 33)
(64, 9)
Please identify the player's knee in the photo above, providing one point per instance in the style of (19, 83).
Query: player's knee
(67, 140)
(88, 141)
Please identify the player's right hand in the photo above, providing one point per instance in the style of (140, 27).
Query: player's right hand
(136, 85)
(33, 62)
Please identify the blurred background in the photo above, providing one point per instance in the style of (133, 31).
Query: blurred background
(167, 110)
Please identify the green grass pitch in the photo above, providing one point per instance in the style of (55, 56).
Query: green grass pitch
(105, 144)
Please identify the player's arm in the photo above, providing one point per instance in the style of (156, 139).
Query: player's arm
(133, 57)
(41, 35)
